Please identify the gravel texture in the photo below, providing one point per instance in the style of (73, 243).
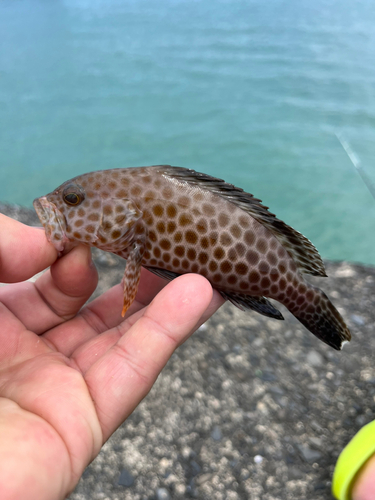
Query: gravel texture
(248, 408)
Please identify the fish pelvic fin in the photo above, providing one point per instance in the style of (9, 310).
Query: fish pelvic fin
(321, 317)
(132, 274)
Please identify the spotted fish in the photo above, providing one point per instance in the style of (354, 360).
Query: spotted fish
(172, 221)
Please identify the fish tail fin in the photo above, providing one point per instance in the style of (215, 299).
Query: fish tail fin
(320, 316)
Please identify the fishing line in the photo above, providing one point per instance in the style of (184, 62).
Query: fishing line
(356, 163)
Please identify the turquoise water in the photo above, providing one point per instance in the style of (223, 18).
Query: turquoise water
(249, 91)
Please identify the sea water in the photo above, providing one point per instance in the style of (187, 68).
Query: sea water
(250, 91)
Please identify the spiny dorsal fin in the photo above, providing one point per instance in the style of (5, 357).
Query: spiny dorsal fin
(303, 252)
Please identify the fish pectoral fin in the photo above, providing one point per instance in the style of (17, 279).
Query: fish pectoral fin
(132, 275)
(163, 273)
(258, 304)
(117, 217)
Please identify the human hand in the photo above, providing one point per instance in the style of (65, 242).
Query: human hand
(364, 485)
(70, 376)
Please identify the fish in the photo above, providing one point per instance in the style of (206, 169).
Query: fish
(173, 221)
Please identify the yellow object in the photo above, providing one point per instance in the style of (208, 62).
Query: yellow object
(353, 456)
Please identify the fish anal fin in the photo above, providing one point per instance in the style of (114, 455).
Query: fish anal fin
(258, 304)
(162, 273)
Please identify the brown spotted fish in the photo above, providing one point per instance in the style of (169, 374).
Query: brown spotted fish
(172, 221)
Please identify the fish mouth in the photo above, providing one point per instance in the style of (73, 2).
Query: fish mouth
(53, 221)
(41, 213)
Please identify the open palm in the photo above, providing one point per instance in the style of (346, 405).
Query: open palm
(70, 376)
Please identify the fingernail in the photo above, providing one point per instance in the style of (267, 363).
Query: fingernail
(90, 261)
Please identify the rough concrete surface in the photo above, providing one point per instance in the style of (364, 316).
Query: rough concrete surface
(248, 408)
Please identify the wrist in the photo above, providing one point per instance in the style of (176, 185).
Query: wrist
(33, 457)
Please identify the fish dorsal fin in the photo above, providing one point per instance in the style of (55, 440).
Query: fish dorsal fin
(303, 252)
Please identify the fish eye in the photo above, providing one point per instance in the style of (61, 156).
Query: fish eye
(72, 199)
(73, 196)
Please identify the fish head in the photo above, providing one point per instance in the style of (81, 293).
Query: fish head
(78, 212)
(64, 214)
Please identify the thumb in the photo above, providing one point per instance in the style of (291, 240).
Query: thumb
(24, 251)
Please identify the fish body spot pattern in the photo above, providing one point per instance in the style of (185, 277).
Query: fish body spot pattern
(173, 221)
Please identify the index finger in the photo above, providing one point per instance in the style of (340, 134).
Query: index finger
(124, 374)
(24, 251)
